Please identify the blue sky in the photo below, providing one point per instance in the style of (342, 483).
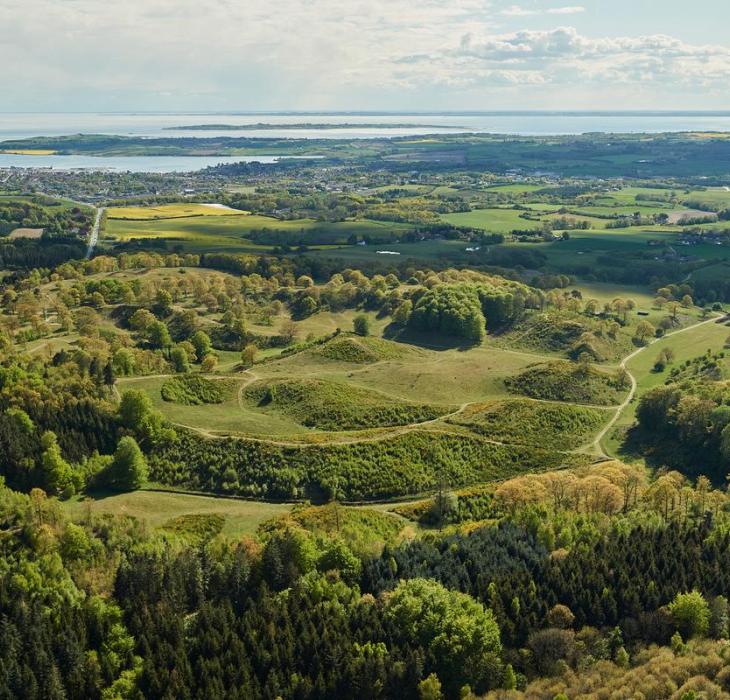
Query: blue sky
(363, 54)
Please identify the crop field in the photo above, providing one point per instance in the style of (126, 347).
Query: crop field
(170, 211)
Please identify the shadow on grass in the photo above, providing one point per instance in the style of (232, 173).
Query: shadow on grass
(428, 341)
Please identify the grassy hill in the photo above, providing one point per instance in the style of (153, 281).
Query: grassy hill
(327, 405)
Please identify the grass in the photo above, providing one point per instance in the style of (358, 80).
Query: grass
(226, 417)
(523, 422)
(493, 220)
(329, 405)
(217, 230)
(194, 390)
(420, 374)
(565, 381)
(159, 509)
(685, 346)
(169, 211)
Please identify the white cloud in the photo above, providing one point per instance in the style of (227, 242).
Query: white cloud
(310, 54)
(519, 11)
(570, 10)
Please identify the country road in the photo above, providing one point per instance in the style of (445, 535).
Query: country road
(94, 233)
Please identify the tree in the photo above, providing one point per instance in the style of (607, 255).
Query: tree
(458, 632)
(430, 688)
(179, 360)
(248, 355)
(128, 470)
(158, 336)
(138, 416)
(644, 330)
(140, 320)
(208, 363)
(87, 321)
(57, 472)
(361, 325)
(288, 331)
(202, 344)
(691, 614)
(403, 313)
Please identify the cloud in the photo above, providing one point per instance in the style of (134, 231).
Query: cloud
(312, 54)
(518, 11)
(570, 10)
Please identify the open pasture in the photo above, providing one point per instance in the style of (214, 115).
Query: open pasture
(157, 509)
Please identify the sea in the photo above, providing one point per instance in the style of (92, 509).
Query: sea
(361, 125)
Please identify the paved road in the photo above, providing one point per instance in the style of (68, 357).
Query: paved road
(94, 233)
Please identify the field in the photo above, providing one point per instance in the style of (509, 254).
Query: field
(687, 345)
(170, 211)
(492, 220)
(218, 230)
(158, 508)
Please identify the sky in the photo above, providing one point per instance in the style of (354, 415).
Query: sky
(375, 55)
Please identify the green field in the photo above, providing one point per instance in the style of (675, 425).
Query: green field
(686, 345)
(157, 508)
(493, 220)
(222, 231)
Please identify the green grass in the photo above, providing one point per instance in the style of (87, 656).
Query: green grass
(524, 422)
(194, 390)
(230, 232)
(565, 381)
(493, 220)
(686, 346)
(445, 375)
(159, 509)
(226, 417)
(363, 350)
(327, 405)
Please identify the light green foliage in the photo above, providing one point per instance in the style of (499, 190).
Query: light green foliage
(335, 406)
(137, 414)
(430, 688)
(128, 470)
(691, 614)
(459, 632)
(179, 360)
(158, 336)
(194, 390)
(58, 473)
(202, 344)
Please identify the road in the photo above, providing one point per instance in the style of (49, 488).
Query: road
(596, 444)
(94, 233)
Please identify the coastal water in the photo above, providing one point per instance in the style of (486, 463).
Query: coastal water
(138, 164)
(369, 125)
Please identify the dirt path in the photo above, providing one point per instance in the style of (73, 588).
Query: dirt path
(595, 446)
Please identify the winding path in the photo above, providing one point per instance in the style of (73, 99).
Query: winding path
(596, 444)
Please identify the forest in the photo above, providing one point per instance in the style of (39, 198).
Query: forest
(376, 425)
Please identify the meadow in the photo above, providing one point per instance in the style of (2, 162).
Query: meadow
(200, 228)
